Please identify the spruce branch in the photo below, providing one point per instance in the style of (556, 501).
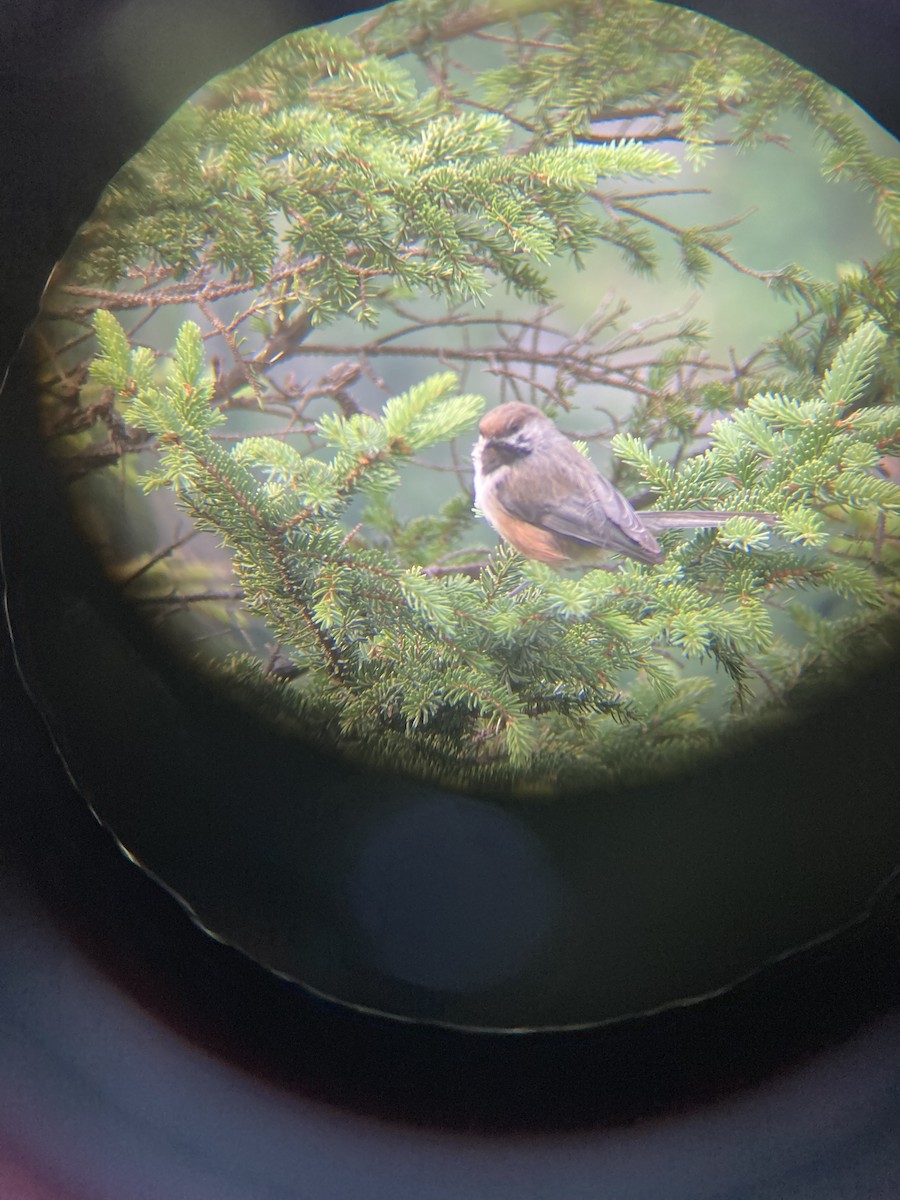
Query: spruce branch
(323, 218)
(495, 671)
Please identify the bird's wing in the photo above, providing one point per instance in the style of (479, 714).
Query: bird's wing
(578, 503)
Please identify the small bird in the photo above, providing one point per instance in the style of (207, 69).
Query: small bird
(551, 505)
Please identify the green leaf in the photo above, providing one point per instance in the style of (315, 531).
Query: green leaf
(803, 525)
(189, 360)
(114, 348)
(850, 372)
(743, 533)
(430, 598)
(637, 454)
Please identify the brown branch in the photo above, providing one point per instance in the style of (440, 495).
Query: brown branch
(717, 251)
(472, 569)
(456, 25)
(185, 293)
(182, 598)
(165, 552)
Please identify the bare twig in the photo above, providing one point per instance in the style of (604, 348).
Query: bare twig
(165, 552)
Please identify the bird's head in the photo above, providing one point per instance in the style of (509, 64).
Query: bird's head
(509, 433)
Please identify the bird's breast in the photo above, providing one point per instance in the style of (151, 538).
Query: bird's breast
(531, 540)
(486, 484)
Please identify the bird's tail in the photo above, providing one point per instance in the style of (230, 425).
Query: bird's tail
(695, 519)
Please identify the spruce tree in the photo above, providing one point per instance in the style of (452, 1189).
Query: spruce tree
(324, 180)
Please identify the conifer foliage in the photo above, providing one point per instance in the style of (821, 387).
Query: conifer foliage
(322, 182)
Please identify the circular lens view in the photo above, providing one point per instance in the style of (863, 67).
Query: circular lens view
(504, 396)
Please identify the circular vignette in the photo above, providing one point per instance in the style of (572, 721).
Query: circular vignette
(255, 328)
(212, 771)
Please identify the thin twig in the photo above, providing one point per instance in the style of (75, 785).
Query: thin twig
(165, 552)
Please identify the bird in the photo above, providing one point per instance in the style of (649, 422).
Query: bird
(548, 502)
